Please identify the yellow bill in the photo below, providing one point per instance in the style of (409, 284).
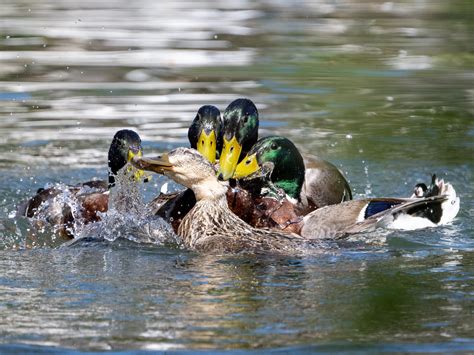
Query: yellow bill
(229, 158)
(138, 175)
(206, 145)
(246, 167)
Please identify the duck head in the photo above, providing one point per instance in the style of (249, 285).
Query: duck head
(125, 145)
(189, 168)
(205, 133)
(239, 135)
(277, 158)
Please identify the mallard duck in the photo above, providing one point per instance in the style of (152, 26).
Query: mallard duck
(280, 161)
(240, 133)
(62, 205)
(210, 226)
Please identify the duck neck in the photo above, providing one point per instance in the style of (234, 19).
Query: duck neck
(291, 187)
(210, 214)
(210, 190)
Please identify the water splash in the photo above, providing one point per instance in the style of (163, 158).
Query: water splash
(60, 209)
(129, 217)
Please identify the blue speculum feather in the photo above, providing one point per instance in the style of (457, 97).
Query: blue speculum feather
(375, 207)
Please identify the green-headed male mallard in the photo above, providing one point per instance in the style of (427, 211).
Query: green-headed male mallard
(205, 132)
(60, 205)
(279, 159)
(240, 133)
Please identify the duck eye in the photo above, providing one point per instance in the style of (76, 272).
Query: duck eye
(231, 149)
(246, 118)
(274, 146)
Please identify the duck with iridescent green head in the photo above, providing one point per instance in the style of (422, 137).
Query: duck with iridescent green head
(240, 133)
(205, 132)
(280, 161)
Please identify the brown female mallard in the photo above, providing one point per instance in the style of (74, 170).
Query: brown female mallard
(210, 226)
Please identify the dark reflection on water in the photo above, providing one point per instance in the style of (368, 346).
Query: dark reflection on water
(382, 89)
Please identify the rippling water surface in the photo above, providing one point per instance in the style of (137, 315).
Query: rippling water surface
(382, 89)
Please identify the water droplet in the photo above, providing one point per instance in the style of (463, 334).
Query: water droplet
(215, 36)
(7, 37)
(349, 136)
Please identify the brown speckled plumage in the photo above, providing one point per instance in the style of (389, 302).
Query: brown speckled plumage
(212, 226)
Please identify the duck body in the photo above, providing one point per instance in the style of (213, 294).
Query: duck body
(211, 226)
(323, 185)
(62, 206)
(366, 215)
(258, 212)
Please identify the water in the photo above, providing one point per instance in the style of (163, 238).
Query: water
(382, 89)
